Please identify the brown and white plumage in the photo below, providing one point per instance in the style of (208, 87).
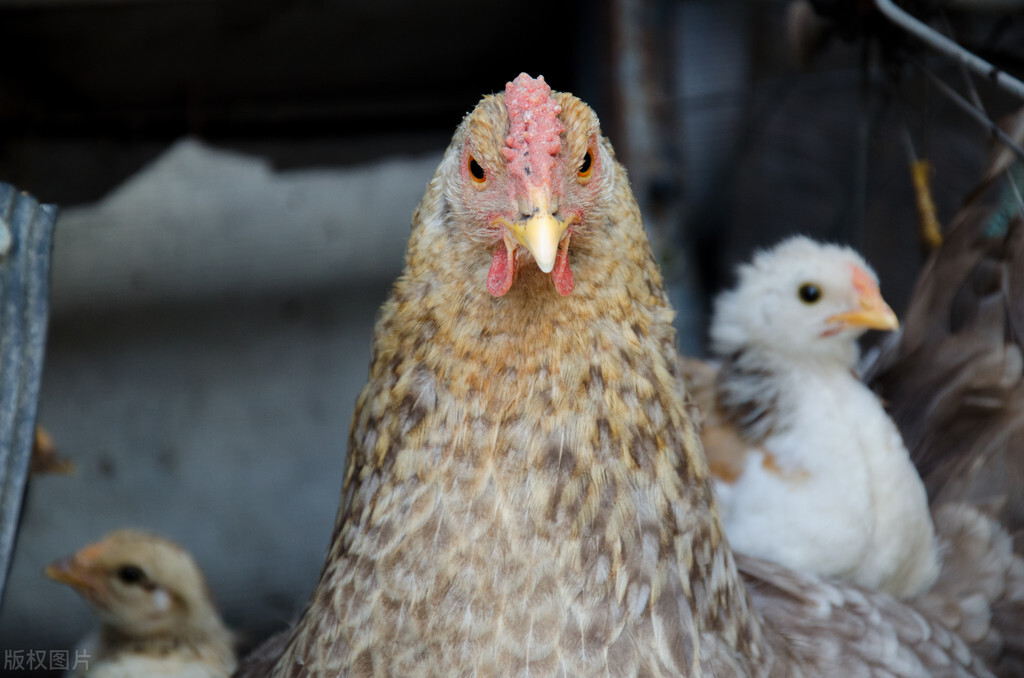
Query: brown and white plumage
(157, 615)
(526, 492)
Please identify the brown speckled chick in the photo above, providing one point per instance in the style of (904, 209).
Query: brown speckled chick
(156, 612)
(526, 493)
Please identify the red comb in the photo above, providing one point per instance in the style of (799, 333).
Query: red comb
(534, 135)
(862, 280)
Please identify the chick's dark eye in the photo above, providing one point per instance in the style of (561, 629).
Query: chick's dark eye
(476, 171)
(588, 163)
(809, 293)
(130, 574)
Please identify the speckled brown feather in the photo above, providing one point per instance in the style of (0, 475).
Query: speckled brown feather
(826, 628)
(526, 492)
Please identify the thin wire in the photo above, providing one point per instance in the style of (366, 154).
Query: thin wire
(946, 46)
(976, 98)
(962, 67)
(971, 110)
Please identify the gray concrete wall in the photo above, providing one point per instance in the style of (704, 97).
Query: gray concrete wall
(211, 330)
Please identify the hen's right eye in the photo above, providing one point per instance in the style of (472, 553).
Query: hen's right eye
(588, 164)
(476, 171)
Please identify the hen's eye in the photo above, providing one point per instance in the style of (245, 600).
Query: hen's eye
(130, 574)
(809, 293)
(476, 171)
(586, 166)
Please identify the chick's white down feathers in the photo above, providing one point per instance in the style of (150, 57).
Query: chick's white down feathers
(826, 484)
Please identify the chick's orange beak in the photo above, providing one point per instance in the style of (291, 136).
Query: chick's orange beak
(872, 312)
(68, 571)
(542, 232)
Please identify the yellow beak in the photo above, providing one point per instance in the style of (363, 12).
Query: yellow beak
(873, 314)
(541, 233)
(541, 236)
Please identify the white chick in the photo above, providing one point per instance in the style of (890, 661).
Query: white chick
(824, 482)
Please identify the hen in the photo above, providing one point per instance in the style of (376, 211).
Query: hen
(526, 492)
(156, 612)
(811, 472)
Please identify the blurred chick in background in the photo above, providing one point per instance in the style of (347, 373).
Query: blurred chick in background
(157, 616)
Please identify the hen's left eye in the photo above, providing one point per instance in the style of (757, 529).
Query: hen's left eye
(476, 171)
(586, 166)
(809, 293)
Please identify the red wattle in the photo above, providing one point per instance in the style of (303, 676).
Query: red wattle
(562, 274)
(503, 268)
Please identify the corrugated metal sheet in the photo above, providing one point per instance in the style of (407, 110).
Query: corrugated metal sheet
(26, 238)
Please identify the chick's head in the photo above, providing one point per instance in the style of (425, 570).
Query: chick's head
(802, 300)
(140, 584)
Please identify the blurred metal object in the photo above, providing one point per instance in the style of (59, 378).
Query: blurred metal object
(645, 137)
(943, 44)
(5, 238)
(986, 6)
(246, 229)
(24, 291)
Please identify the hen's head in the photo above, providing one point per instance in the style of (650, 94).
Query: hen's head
(801, 299)
(531, 165)
(139, 584)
